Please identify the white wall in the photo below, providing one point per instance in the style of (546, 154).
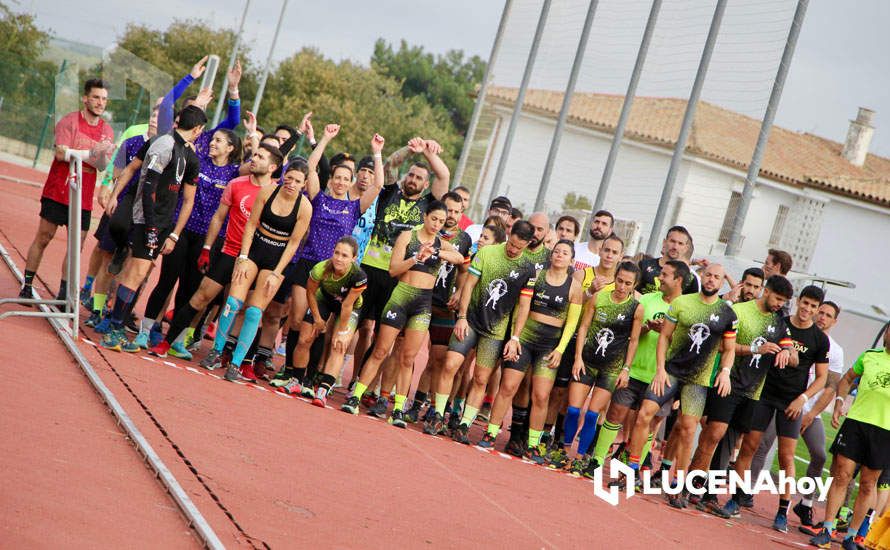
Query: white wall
(705, 197)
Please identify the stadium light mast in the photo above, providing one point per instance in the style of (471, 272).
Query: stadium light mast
(222, 92)
(735, 233)
(691, 106)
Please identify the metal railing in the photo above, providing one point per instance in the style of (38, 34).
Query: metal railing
(66, 309)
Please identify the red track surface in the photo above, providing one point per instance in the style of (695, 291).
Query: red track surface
(268, 469)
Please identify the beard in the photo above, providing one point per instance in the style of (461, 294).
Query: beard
(709, 293)
(597, 235)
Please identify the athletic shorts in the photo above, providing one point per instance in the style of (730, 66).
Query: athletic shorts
(139, 246)
(266, 252)
(325, 309)
(103, 235)
(884, 480)
(536, 342)
(734, 409)
(284, 290)
(408, 308)
(594, 374)
(56, 213)
(376, 296)
(863, 443)
(692, 396)
(302, 267)
(764, 413)
(564, 371)
(441, 326)
(631, 395)
(488, 350)
(221, 269)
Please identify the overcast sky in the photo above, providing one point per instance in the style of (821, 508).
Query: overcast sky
(841, 61)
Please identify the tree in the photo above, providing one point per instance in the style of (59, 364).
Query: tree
(576, 202)
(447, 81)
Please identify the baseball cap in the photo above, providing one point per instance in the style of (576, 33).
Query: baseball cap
(366, 162)
(500, 202)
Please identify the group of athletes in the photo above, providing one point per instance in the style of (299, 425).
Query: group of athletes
(370, 260)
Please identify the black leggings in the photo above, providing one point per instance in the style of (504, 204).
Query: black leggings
(179, 265)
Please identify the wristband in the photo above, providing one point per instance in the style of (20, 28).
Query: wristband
(726, 369)
(242, 257)
(626, 368)
(514, 338)
(839, 398)
(461, 316)
(343, 332)
(378, 156)
(173, 236)
(206, 247)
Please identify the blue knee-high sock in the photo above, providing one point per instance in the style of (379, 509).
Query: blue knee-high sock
(230, 311)
(125, 297)
(252, 316)
(570, 427)
(588, 432)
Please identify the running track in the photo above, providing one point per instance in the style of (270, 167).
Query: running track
(267, 470)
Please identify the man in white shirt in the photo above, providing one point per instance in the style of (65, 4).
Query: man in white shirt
(500, 206)
(587, 254)
(812, 430)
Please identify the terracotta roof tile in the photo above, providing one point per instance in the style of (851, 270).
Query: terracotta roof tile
(722, 136)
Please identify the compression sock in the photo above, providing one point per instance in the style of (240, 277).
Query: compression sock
(399, 402)
(29, 278)
(534, 437)
(359, 390)
(326, 382)
(441, 403)
(828, 525)
(99, 301)
(517, 423)
(420, 398)
(571, 426)
(252, 316)
(458, 405)
(644, 456)
(588, 432)
(783, 506)
(263, 354)
(125, 296)
(290, 345)
(145, 325)
(604, 441)
(469, 416)
(88, 283)
(864, 526)
(230, 311)
(493, 429)
(634, 462)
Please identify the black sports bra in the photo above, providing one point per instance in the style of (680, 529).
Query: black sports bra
(279, 226)
(551, 300)
(431, 264)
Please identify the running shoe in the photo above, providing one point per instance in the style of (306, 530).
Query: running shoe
(397, 419)
(453, 421)
(534, 454)
(211, 361)
(484, 413)
(233, 373)
(282, 377)
(291, 387)
(822, 540)
(850, 543)
(487, 441)
(710, 506)
(515, 447)
(248, 374)
(369, 400)
(805, 513)
(730, 510)
(591, 468)
(264, 369)
(557, 459)
(412, 414)
(321, 398)
(104, 326)
(429, 414)
(26, 293)
(547, 439)
(94, 319)
(746, 501)
(210, 333)
(859, 540)
(86, 299)
(192, 344)
(155, 337)
(462, 434)
(168, 316)
(843, 519)
(141, 340)
(62, 294)
(679, 501)
(179, 351)
(132, 325)
(379, 408)
(781, 522)
(351, 405)
(578, 466)
(811, 530)
(434, 425)
(309, 392)
(160, 350)
(114, 340)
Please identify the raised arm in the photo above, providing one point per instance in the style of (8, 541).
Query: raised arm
(370, 194)
(443, 176)
(165, 111)
(233, 112)
(312, 185)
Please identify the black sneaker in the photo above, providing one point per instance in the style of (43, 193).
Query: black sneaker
(397, 419)
(434, 425)
(351, 405)
(534, 454)
(62, 294)
(591, 467)
(679, 501)
(117, 261)
(453, 421)
(412, 414)
(462, 434)
(132, 325)
(26, 293)
(487, 441)
(380, 407)
(805, 513)
(515, 448)
(746, 501)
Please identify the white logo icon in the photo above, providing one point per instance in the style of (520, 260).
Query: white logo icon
(755, 359)
(698, 333)
(715, 318)
(604, 337)
(558, 299)
(539, 266)
(621, 317)
(391, 315)
(497, 289)
(444, 272)
(514, 275)
(770, 329)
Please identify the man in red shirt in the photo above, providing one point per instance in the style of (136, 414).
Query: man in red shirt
(464, 194)
(84, 134)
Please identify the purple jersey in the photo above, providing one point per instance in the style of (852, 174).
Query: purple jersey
(331, 219)
(211, 183)
(125, 154)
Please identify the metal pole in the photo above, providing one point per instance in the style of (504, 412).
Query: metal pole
(735, 232)
(50, 112)
(566, 103)
(225, 85)
(480, 97)
(138, 106)
(520, 98)
(628, 103)
(688, 118)
(262, 87)
(73, 282)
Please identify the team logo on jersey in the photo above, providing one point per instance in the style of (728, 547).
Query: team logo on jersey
(621, 317)
(601, 316)
(698, 333)
(514, 275)
(558, 299)
(539, 266)
(180, 169)
(880, 381)
(391, 315)
(497, 289)
(714, 318)
(770, 329)
(444, 272)
(244, 206)
(755, 359)
(604, 337)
